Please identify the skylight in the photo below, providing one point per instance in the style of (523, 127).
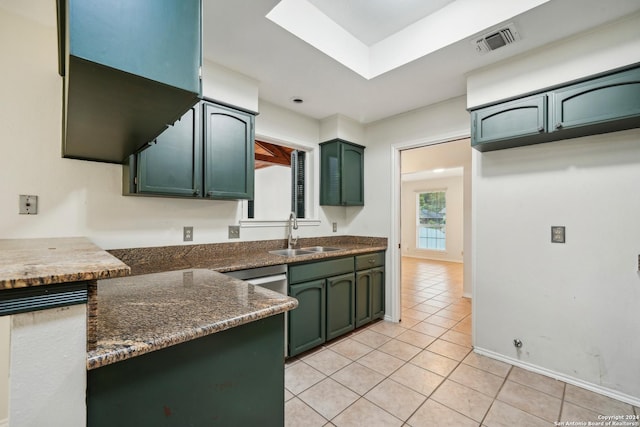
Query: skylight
(454, 21)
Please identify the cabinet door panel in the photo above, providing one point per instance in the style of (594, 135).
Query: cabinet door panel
(363, 298)
(172, 165)
(340, 305)
(600, 100)
(377, 293)
(352, 175)
(518, 118)
(307, 322)
(228, 153)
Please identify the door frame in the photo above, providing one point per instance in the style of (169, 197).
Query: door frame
(395, 306)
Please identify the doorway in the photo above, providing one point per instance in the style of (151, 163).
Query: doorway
(421, 227)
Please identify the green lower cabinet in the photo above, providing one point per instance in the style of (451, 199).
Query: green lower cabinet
(307, 324)
(340, 305)
(230, 378)
(369, 295)
(377, 293)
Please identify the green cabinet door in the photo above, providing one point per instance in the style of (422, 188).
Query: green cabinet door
(307, 322)
(377, 293)
(341, 173)
(352, 174)
(612, 99)
(507, 124)
(340, 305)
(363, 298)
(228, 153)
(173, 164)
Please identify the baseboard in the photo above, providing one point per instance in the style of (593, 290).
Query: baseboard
(635, 401)
(467, 295)
(4, 422)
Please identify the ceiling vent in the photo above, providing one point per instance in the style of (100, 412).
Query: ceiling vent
(496, 39)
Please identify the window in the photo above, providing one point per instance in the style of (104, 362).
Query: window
(279, 182)
(432, 220)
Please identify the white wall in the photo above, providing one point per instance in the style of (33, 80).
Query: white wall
(573, 305)
(454, 188)
(81, 198)
(436, 122)
(49, 368)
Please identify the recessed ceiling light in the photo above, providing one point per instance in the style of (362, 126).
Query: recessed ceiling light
(439, 170)
(297, 100)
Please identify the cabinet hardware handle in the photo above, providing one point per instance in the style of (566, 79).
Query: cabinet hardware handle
(210, 194)
(558, 125)
(541, 129)
(196, 192)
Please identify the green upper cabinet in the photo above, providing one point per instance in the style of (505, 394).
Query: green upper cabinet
(173, 164)
(341, 173)
(130, 68)
(595, 105)
(229, 146)
(526, 117)
(207, 153)
(611, 99)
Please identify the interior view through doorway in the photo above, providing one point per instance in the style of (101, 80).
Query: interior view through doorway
(435, 228)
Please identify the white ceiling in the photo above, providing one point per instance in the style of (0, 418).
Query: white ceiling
(370, 21)
(238, 36)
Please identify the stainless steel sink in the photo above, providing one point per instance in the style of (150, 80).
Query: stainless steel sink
(291, 252)
(320, 249)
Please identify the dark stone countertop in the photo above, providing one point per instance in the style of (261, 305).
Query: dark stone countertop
(38, 262)
(177, 293)
(140, 314)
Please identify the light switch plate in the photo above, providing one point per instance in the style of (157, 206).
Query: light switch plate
(234, 231)
(28, 205)
(335, 227)
(557, 234)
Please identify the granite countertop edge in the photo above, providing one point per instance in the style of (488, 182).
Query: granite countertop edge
(99, 358)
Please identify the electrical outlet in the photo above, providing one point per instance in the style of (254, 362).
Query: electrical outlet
(557, 234)
(335, 227)
(187, 234)
(234, 231)
(28, 205)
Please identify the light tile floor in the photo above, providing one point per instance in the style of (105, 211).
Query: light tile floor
(422, 371)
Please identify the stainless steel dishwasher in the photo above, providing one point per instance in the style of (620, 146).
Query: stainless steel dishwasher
(273, 277)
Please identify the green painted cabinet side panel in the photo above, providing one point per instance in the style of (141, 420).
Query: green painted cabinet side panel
(370, 260)
(515, 119)
(600, 100)
(228, 153)
(156, 39)
(363, 298)
(341, 174)
(340, 305)
(377, 293)
(307, 324)
(173, 164)
(330, 174)
(231, 378)
(320, 269)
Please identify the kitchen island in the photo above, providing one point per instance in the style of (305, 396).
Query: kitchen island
(186, 348)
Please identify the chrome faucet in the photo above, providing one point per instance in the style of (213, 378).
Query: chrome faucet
(293, 225)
